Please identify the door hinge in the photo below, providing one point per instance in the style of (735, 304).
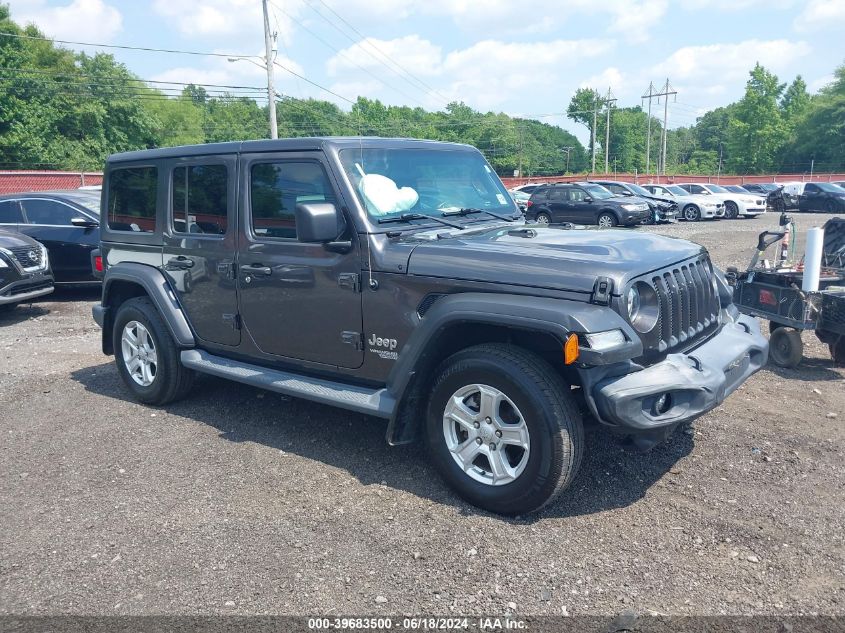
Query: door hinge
(234, 320)
(356, 339)
(226, 269)
(350, 281)
(602, 290)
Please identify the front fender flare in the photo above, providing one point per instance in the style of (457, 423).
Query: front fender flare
(558, 317)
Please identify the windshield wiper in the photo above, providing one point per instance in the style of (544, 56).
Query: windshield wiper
(471, 211)
(406, 217)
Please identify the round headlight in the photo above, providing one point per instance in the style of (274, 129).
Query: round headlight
(643, 307)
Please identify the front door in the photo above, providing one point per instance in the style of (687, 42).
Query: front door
(298, 300)
(200, 243)
(581, 211)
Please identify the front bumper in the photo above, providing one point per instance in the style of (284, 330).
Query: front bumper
(696, 381)
(31, 287)
(752, 209)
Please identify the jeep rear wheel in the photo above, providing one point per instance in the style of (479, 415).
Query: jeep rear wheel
(502, 429)
(147, 357)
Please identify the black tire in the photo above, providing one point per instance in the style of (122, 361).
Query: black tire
(785, 347)
(546, 219)
(731, 210)
(691, 213)
(830, 206)
(172, 380)
(554, 424)
(837, 351)
(609, 219)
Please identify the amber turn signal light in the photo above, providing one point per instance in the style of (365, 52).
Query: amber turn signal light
(570, 349)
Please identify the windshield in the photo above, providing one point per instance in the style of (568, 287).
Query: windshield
(390, 182)
(678, 191)
(91, 201)
(640, 191)
(829, 187)
(597, 191)
(716, 189)
(737, 189)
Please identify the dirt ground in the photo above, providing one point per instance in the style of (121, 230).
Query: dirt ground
(240, 501)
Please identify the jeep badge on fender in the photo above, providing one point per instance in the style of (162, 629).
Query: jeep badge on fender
(261, 283)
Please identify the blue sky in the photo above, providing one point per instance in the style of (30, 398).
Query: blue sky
(522, 57)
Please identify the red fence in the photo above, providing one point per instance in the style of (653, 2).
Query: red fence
(642, 179)
(21, 181)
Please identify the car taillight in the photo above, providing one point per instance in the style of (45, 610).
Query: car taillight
(767, 298)
(529, 204)
(98, 263)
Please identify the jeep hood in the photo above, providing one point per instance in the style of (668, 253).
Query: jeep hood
(556, 259)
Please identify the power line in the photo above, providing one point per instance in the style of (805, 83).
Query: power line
(122, 46)
(385, 57)
(342, 54)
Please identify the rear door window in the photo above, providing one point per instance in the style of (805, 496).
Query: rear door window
(132, 199)
(10, 212)
(200, 199)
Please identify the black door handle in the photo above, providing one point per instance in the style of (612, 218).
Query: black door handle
(257, 269)
(180, 263)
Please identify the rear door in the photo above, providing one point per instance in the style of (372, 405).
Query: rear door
(199, 244)
(559, 205)
(581, 210)
(69, 246)
(298, 300)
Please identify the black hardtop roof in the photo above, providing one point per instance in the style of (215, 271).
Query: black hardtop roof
(283, 144)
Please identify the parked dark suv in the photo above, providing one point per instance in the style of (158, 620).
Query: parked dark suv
(584, 203)
(396, 278)
(24, 269)
(662, 209)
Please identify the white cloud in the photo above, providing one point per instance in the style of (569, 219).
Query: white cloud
(416, 55)
(820, 14)
(207, 18)
(634, 20)
(729, 61)
(821, 82)
(612, 77)
(736, 5)
(87, 20)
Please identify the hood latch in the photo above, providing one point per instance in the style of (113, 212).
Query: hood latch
(602, 290)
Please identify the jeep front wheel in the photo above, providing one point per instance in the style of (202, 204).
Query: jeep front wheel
(502, 429)
(147, 357)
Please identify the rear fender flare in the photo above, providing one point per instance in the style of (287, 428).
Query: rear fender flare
(158, 290)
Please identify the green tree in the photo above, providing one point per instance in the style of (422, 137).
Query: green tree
(756, 131)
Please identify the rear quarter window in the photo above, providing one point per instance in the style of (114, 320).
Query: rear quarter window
(131, 199)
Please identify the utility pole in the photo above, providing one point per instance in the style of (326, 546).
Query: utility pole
(567, 149)
(593, 146)
(648, 132)
(268, 60)
(608, 103)
(667, 90)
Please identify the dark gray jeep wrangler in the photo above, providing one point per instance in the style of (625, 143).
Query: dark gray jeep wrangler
(396, 278)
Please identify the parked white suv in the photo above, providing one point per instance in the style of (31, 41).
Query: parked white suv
(736, 204)
(690, 206)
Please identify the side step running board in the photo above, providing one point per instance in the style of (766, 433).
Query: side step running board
(377, 402)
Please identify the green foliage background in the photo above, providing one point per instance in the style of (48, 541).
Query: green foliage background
(65, 110)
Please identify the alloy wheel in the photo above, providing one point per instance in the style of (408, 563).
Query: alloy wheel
(486, 434)
(139, 353)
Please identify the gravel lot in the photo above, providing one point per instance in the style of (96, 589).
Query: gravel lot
(240, 501)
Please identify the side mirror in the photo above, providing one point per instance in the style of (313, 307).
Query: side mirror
(588, 199)
(627, 193)
(318, 222)
(84, 222)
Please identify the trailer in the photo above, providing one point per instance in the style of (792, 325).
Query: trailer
(773, 292)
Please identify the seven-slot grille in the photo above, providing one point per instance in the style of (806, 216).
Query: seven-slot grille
(27, 256)
(689, 305)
